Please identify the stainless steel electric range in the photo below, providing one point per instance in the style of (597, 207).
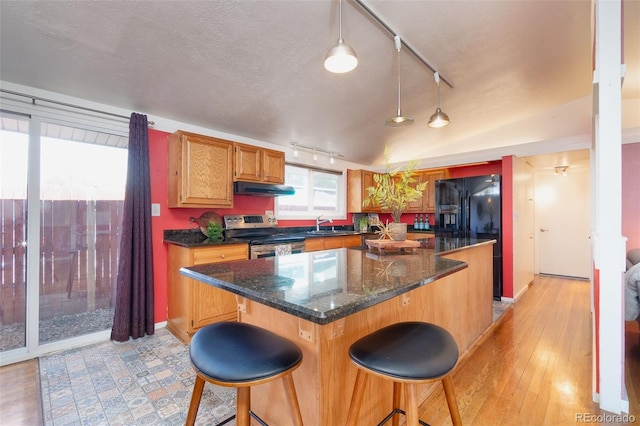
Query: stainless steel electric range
(262, 234)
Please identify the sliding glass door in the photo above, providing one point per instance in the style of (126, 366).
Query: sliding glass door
(81, 198)
(14, 148)
(59, 276)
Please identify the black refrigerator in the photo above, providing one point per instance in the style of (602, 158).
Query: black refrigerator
(471, 207)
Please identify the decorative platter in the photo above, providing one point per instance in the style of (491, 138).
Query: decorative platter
(392, 245)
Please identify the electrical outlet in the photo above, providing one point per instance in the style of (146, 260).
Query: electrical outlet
(155, 209)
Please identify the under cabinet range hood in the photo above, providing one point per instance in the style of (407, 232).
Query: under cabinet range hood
(262, 189)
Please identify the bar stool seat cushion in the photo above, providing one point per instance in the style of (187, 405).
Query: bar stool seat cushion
(237, 352)
(407, 351)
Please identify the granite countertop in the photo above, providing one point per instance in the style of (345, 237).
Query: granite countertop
(327, 285)
(192, 238)
(444, 245)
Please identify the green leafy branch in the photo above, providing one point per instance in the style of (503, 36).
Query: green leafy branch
(395, 189)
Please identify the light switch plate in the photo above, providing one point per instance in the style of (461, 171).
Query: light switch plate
(155, 209)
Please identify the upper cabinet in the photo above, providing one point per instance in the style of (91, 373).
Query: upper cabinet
(359, 180)
(200, 171)
(254, 164)
(429, 199)
(427, 204)
(357, 183)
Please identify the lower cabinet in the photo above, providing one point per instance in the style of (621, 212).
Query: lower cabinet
(193, 304)
(339, 241)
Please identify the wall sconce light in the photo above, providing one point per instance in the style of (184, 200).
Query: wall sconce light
(315, 151)
(560, 169)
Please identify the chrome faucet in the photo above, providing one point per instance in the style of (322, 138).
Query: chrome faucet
(321, 221)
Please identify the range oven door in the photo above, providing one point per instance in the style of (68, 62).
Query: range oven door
(269, 250)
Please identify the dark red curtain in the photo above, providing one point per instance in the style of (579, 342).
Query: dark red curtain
(134, 298)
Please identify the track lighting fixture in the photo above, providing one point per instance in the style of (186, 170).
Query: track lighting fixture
(439, 118)
(399, 120)
(340, 58)
(560, 169)
(315, 151)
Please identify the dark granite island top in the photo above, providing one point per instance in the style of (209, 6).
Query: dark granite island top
(328, 285)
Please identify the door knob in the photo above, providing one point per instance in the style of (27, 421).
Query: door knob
(544, 230)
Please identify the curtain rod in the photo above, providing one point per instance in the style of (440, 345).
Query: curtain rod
(364, 7)
(38, 98)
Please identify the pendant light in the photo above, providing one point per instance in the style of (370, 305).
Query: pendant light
(439, 118)
(399, 120)
(340, 58)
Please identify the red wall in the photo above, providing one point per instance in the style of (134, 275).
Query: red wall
(507, 226)
(631, 194)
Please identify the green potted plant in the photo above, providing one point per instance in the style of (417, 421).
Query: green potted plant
(393, 191)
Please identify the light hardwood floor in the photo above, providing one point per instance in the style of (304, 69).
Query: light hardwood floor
(20, 394)
(532, 368)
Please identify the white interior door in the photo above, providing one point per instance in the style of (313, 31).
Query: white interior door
(563, 223)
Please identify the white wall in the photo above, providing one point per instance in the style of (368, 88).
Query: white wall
(523, 226)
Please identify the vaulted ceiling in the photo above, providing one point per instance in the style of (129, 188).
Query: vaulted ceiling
(521, 70)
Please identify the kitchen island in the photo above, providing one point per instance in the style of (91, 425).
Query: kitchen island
(324, 301)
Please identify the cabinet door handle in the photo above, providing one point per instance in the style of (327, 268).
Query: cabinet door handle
(544, 230)
(222, 256)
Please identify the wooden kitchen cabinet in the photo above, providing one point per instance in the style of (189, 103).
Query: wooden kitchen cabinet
(429, 199)
(193, 304)
(357, 183)
(199, 171)
(255, 164)
(427, 204)
(326, 243)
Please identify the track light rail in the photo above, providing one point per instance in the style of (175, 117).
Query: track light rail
(364, 7)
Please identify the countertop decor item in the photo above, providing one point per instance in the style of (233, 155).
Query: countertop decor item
(391, 245)
(205, 219)
(394, 189)
(214, 231)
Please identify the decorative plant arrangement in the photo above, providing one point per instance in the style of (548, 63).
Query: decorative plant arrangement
(384, 232)
(210, 224)
(363, 224)
(214, 231)
(394, 190)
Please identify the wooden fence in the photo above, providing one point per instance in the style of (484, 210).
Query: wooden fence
(78, 252)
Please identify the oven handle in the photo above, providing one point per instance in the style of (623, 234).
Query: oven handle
(268, 250)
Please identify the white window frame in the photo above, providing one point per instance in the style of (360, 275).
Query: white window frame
(341, 196)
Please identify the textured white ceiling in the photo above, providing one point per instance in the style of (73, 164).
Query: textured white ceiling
(521, 69)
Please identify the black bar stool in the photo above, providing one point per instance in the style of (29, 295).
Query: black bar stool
(241, 355)
(408, 353)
